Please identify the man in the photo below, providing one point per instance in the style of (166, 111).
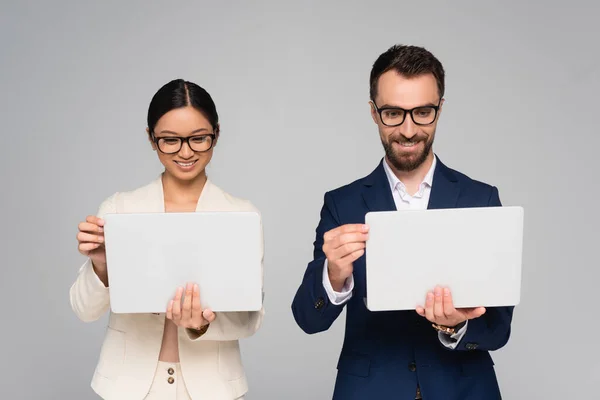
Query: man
(436, 352)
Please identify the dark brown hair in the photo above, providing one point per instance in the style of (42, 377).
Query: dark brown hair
(180, 93)
(408, 61)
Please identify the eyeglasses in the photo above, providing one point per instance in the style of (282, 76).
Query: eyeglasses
(395, 116)
(173, 144)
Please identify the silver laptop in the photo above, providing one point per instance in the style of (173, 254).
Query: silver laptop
(476, 252)
(149, 255)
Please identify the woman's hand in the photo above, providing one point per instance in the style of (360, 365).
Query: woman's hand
(91, 244)
(189, 314)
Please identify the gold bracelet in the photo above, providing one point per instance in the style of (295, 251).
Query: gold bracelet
(444, 329)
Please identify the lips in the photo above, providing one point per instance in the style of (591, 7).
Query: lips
(407, 145)
(186, 164)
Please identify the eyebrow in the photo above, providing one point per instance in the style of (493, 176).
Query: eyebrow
(175, 133)
(392, 106)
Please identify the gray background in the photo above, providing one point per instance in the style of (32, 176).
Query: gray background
(290, 82)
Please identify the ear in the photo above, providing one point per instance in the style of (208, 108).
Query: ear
(441, 106)
(150, 139)
(374, 114)
(217, 134)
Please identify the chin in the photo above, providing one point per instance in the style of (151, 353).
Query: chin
(187, 176)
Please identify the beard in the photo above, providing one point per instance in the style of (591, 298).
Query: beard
(408, 162)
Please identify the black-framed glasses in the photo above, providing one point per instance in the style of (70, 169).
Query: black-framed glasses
(173, 144)
(395, 116)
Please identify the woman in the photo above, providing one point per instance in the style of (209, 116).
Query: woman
(178, 354)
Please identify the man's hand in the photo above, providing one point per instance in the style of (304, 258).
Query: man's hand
(342, 246)
(440, 310)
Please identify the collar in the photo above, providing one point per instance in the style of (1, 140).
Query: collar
(395, 182)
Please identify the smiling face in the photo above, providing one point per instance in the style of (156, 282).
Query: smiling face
(184, 140)
(408, 145)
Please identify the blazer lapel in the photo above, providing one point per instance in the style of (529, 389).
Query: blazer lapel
(444, 189)
(376, 192)
(155, 199)
(207, 201)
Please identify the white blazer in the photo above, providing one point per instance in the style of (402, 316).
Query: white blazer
(211, 364)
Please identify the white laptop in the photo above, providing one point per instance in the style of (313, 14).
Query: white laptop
(476, 252)
(150, 255)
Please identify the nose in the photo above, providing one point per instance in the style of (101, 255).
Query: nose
(409, 129)
(186, 152)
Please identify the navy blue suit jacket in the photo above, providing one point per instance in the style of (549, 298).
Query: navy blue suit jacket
(385, 355)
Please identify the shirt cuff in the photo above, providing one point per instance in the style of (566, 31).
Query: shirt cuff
(337, 298)
(451, 341)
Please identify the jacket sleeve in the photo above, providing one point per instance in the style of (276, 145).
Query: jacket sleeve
(89, 297)
(234, 325)
(311, 307)
(491, 331)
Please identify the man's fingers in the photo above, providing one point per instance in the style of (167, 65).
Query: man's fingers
(476, 312)
(421, 311)
(345, 229)
(429, 307)
(340, 255)
(438, 305)
(350, 258)
(348, 238)
(448, 303)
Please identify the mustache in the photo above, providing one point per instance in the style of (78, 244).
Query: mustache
(415, 139)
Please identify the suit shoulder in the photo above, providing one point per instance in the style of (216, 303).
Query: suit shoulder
(473, 186)
(346, 190)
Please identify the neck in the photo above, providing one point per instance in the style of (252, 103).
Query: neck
(179, 191)
(413, 179)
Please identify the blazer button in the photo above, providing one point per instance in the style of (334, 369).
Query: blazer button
(171, 380)
(319, 303)
(170, 371)
(412, 367)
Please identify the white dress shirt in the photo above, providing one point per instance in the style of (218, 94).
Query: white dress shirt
(404, 201)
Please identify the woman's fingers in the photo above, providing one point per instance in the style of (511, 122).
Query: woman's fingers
(177, 305)
(186, 312)
(209, 316)
(90, 227)
(87, 247)
(170, 310)
(90, 235)
(84, 237)
(196, 308)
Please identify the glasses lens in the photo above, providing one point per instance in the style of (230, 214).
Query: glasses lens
(201, 143)
(173, 145)
(169, 145)
(392, 116)
(424, 115)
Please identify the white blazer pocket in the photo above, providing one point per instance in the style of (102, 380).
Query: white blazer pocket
(230, 360)
(112, 354)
